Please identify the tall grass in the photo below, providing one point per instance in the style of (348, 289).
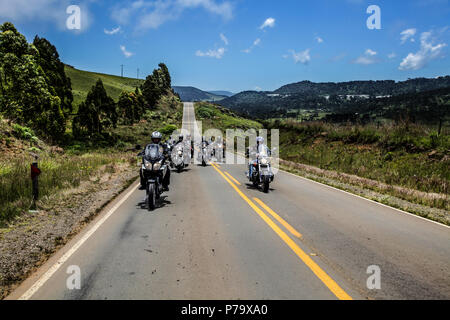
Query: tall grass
(58, 173)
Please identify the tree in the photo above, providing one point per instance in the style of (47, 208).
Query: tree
(95, 114)
(167, 80)
(128, 107)
(26, 96)
(156, 84)
(54, 70)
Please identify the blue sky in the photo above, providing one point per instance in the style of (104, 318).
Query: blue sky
(241, 45)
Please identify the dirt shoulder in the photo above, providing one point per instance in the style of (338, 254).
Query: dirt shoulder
(32, 238)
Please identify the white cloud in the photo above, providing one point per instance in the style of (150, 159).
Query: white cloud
(126, 53)
(392, 55)
(258, 88)
(369, 57)
(270, 22)
(152, 14)
(408, 34)
(303, 57)
(426, 53)
(216, 53)
(319, 40)
(224, 39)
(112, 31)
(257, 42)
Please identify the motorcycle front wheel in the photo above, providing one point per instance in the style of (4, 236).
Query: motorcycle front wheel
(266, 182)
(151, 197)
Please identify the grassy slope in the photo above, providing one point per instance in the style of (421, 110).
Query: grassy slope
(214, 116)
(82, 81)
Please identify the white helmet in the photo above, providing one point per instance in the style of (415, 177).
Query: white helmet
(156, 136)
(260, 140)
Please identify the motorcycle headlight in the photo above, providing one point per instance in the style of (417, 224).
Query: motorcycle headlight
(264, 161)
(180, 153)
(157, 166)
(147, 165)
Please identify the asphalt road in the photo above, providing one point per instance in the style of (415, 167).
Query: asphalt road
(216, 237)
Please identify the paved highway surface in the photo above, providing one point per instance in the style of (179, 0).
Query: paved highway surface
(216, 237)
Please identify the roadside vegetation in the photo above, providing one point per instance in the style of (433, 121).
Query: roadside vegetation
(403, 157)
(78, 123)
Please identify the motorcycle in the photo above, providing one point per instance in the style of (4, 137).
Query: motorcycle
(154, 170)
(262, 174)
(204, 154)
(218, 151)
(178, 158)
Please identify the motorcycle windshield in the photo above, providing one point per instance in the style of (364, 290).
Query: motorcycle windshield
(153, 152)
(262, 150)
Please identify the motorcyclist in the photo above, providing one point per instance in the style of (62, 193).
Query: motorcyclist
(190, 143)
(157, 139)
(254, 151)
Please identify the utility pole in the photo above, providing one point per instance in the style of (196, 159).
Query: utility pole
(138, 73)
(121, 73)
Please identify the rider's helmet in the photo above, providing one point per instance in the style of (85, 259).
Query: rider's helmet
(156, 137)
(259, 140)
(180, 138)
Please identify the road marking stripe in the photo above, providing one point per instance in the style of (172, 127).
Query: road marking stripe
(50, 272)
(232, 178)
(322, 275)
(294, 232)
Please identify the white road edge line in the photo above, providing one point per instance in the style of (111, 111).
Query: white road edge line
(358, 196)
(50, 272)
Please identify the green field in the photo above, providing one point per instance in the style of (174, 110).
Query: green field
(82, 81)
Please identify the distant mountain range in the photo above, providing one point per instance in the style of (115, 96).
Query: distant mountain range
(325, 96)
(195, 94)
(223, 93)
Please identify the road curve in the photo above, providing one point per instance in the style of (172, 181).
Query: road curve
(216, 237)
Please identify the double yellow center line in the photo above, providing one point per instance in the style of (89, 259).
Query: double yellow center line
(322, 275)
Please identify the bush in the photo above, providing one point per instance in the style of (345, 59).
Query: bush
(168, 129)
(23, 132)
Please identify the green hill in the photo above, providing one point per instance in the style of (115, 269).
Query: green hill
(194, 94)
(82, 81)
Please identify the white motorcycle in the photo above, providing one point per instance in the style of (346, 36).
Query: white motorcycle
(261, 170)
(179, 158)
